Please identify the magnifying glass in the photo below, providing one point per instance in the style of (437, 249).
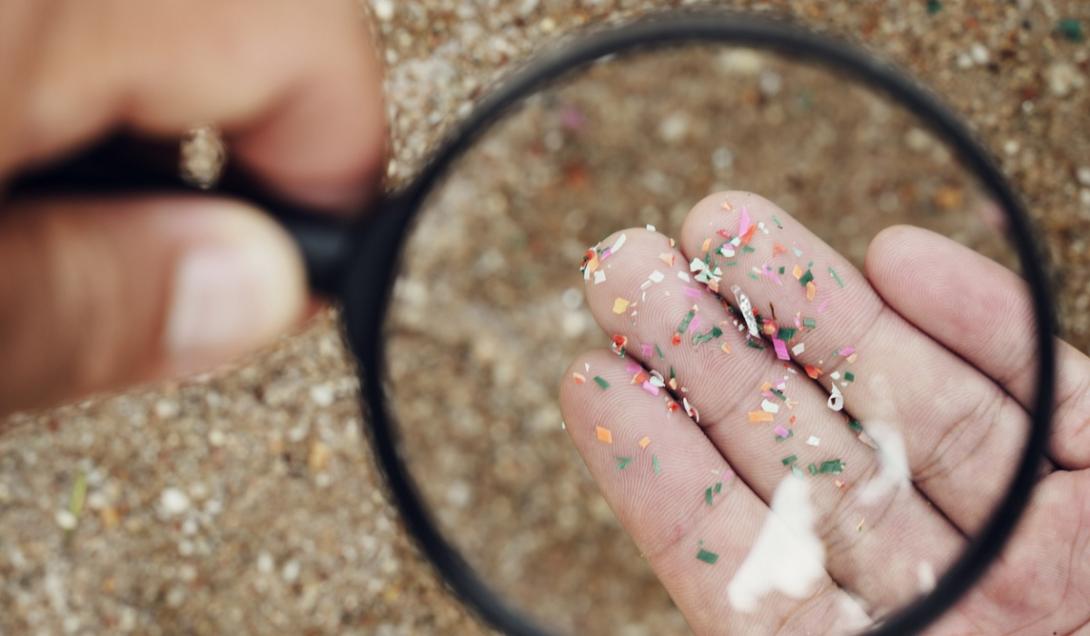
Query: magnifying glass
(467, 294)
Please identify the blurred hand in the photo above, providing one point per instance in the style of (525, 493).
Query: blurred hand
(99, 293)
(939, 342)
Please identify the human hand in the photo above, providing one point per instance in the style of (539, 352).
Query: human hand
(99, 293)
(937, 341)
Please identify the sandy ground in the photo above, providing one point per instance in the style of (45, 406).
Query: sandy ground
(244, 501)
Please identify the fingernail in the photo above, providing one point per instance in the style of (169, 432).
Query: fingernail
(228, 299)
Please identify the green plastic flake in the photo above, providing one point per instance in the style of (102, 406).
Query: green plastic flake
(684, 326)
(836, 277)
(782, 269)
(806, 278)
(831, 467)
(1071, 29)
(600, 381)
(753, 343)
(778, 393)
(748, 249)
(849, 376)
(776, 220)
(78, 495)
(662, 355)
(855, 426)
(753, 276)
(809, 323)
(933, 6)
(707, 556)
(711, 334)
(708, 495)
(786, 333)
(813, 469)
(623, 462)
(655, 465)
(672, 374)
(789, 460)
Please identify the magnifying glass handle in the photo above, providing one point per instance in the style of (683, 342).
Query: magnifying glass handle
(126, 165)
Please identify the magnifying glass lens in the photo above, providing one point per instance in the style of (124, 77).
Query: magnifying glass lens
(662, 346)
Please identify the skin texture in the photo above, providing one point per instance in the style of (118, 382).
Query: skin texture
(957, 401)
(92, 293)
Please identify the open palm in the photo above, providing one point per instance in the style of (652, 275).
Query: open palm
(722, 394)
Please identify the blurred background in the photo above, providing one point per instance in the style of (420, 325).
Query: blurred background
(245, 501)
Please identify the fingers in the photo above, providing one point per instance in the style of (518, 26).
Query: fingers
(962, 433)
(295, 86)
(99, 294)
(693, 520)
(981, 310)
(760, 414)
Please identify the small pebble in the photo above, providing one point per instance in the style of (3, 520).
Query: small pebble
(173, 502)
(321, 394)
(66, 520)
(384, 9)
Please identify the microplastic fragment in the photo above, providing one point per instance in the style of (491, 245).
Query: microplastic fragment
(746, 309)
(623, 462)
(831, 467)
(770, 407)
(855, 426)
(744, 222)
(846, 351)
(807, 277)
(809, 323)
(813, 440)
(836, 277)
(578, 377)
(656, 276)
(668, 258)
(786, 333)
(718, 487)
(796, 271)
(836, 399)
(683, 276)
(599, 277)
(782, 433)
(645, 441)
(799, 348)
(790, 459)
(604, 434)
(776, 220)
(650, 388)
(600, 381)
(708, 495)
(707, 557)
(620, 305)
(759, 416)
(781, 349)
(710, 335)
(684, 326)
(659, 351)
(812, 371)
(650, 228)
(655, 464)
(618, 244)
(811, 290)
(849, 376)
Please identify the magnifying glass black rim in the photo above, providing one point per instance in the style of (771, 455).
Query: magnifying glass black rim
(374, 267)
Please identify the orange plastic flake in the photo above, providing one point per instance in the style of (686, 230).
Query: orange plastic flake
(727, 206)
(811, 290)
(675, 339)
(640, 377)
(748, 236)
(812, 371)
(578, 377)
(778, 249)
(672, 406)
(706, 245)
(796, 271)
(725, 348)
(620, 305)
(603, 434)
(759, 416)
(668, 258)
(645, 442)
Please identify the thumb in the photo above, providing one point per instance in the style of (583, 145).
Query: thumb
(96, 294)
